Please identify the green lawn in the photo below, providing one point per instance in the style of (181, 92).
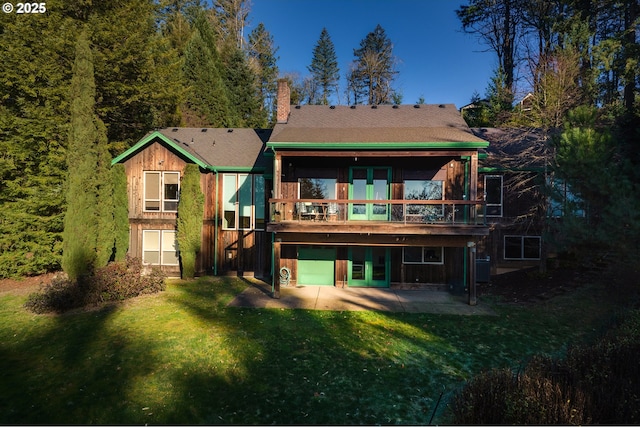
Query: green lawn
(183, 357)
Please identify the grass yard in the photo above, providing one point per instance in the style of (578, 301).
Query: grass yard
(183, 357)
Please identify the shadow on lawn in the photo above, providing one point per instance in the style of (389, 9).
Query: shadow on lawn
(313, 367)
(73, 369)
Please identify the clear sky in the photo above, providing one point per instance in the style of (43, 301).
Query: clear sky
(436, 60)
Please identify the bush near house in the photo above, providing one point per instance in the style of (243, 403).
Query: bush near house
(593, 384)
(116, 281)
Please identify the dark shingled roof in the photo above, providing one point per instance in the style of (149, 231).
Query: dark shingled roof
(372, 124)
(220, 147)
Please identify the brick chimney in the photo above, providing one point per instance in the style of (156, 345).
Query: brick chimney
(284, 101)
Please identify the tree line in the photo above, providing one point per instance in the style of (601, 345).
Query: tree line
(578, 62)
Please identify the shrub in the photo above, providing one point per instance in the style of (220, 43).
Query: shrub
(595, 384)
(116, 281)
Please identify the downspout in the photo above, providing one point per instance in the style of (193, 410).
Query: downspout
(215, 227)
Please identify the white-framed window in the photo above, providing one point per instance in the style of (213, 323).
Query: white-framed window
(243, 201)
(161, 191)
(159, 247)
(423, 255)
(493, 195)
(522, 247)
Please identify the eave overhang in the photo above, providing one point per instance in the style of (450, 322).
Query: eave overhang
(275, 145)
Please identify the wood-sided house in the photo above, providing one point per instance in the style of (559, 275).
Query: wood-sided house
(375, 195)
(347, 196)
(511, 178)
(236, 179)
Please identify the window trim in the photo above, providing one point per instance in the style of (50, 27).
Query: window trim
(423, 262)
(501, 204)
(236, 202)
(161, 234)
(522, 246)
(161, 190)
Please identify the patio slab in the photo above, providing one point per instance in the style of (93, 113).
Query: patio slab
(258, 295)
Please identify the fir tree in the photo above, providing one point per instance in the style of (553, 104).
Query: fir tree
(324, 67)
(240, 82)
(190, 217)
(206, 99)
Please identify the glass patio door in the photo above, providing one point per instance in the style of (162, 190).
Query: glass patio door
(369, 183)
(369, 267)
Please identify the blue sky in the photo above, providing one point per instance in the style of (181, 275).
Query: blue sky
(437, 61)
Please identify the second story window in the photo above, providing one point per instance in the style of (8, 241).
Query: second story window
(243, 201)
(161, 191)
(493, 195)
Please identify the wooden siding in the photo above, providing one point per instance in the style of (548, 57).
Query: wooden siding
(217, 244)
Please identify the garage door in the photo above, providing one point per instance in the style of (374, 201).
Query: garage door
(316, 266)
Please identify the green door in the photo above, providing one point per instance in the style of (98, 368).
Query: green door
(369, 267)
(369, 183)
(316, 266)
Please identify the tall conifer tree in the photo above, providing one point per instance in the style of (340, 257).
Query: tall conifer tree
(190, 216)
(81, 219)
(324, 67)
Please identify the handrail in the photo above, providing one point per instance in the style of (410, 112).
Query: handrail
(459, 212)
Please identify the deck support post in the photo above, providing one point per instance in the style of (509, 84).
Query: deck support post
(276, 270)
(471, 272)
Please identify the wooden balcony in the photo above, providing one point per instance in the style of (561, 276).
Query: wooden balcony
(398, 217)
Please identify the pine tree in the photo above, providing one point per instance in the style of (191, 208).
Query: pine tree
(190, 216)
(374, 68)
(80, 221)
(324, 67)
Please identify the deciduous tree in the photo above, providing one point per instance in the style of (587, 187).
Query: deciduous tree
(373, 70)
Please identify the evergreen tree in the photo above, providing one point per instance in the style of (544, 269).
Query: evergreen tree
(121, 211)
(190, 217)
(34, 78)
(324, 67)
(104, 208)
(80, 221)
(374, 69)
(207, 103)
(137, 79)
(240, 82)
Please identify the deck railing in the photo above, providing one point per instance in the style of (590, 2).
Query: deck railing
(459, 212)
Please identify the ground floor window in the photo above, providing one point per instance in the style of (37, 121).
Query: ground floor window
(423, 255)
(159, 247)
(522, 247)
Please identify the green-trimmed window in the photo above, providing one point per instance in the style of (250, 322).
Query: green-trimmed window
(243, 201)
